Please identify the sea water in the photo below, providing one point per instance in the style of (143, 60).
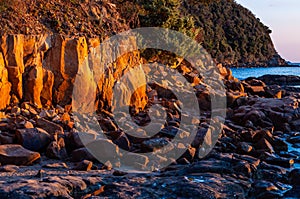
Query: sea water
(243, 73)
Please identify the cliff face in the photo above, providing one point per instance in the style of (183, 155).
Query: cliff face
(43, 69)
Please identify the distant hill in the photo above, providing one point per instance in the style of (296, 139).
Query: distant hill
(230, 32)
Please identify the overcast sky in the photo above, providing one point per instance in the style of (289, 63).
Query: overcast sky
(283, 18)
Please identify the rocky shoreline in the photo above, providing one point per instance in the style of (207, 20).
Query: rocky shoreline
(256, 156)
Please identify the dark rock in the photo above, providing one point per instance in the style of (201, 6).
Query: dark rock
(157, 144)
(103, 149)
(50, 127)
(84, 165)
(271, 172)
(283, 162)
(75, 140)
(135, 160)
(296, 125)
(189, 154)
(123, 142)
(60, 165)
(17, 155)
(294, 140)
(9, 168)
(6, 139)
(260, 134)
(119, 173)
(57, 150)
(294, 177)
(183, 161)
(244, 147)
(262, 186)
(82, 154)
(264, 145)
(35, 139)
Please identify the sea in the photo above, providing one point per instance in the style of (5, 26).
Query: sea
(243, 73)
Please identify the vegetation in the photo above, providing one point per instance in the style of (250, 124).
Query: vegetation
(228, 31)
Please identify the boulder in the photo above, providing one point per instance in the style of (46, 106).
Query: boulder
(264, 145)
(294, 177)
(17, 155)
(82, 154)
(84, 165)
(57, 150)
(34, 139)
(49, 126)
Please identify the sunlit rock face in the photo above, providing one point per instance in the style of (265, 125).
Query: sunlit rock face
(43, 69)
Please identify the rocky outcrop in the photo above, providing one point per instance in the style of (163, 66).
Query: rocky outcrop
(17, 155)
(43, 69)
(5, 85)
(282, 80)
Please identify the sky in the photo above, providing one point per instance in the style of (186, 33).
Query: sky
(283, 18)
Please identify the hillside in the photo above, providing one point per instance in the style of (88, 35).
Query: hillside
(227, 30)
(233, 35)
(230, 32)
(72, 18)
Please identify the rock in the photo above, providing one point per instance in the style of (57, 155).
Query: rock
(84, 165)
(244, 147)
(12, 49)
(3, 126)
(28, 125)
(61, 165)
(6, 139)
(189, 154)
(103, 149)
(296, 125)
(255, 116)
(283, 80)
(75, 140)
(262, 186)
(33, 85)
(25, 58)
(233, 96)
(50, 127)
(17, 155)
(280, 145)
(5, 85)
(57, 150)
(280, 161)
(65, 118)
(264, 145)
(294, 177)
(34, 139)
(134, 160)
(260, 134)
(294, 140)
(9, 168)
(123, 142)
(82, 154)
(48, 82)
(274, 92)
(156, 144)
(15, 110)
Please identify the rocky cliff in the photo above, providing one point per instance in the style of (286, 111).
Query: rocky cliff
(42, 70)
